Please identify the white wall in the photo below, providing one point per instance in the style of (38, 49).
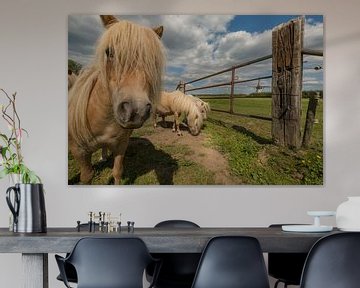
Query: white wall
(33, 62)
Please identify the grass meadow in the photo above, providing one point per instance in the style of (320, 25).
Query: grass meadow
(245, 144)
(248, 146)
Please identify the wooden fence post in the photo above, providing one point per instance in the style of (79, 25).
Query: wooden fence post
(181, 86)
(287, 44)
(310, 119)
(231, 98)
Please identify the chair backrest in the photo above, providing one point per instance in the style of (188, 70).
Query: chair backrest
(69, 269)
(333, 262)
(176, 224)
(110, 262)
(178, 269)
(232, 262)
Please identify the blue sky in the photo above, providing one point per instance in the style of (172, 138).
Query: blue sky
(197, 45)
(261, 23)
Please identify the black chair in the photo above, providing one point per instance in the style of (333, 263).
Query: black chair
(232, 262)
(176, 224)
(333, 262)
(108, 263)
(286, 267)
(70, 273)
(178, 269)
(69, 269)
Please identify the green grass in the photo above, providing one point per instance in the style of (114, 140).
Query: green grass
(253, 157)
(255, 106)
(246, 143)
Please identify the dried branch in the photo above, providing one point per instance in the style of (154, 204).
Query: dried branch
(10, 152)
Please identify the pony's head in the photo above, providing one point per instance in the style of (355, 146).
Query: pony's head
(203, 106)
(194, 120)
(130, 60)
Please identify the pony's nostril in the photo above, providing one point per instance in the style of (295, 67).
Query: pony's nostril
(124, 110)
(124, 106)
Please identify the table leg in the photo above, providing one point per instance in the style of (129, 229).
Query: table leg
(35, 270)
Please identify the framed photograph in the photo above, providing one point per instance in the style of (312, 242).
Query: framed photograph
(195, 100)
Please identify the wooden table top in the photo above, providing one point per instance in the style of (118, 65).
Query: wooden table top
(158, 240)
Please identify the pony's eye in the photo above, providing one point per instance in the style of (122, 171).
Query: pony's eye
(109, 53)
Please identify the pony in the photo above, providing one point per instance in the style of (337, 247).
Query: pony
(175, 103)
(115, 94)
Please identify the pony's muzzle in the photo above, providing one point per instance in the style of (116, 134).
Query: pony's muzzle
(133, 114)
(194, 132)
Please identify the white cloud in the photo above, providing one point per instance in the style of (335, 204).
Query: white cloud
(196, 45)
(84, 31)
(314, 36)
(239, 46)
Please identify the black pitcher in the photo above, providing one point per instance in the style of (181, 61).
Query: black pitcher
(28, 207)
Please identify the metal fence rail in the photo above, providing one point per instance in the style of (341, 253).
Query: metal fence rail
(286, 87)
(233, 82)
(310, 52)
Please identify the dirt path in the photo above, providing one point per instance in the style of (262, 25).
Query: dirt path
(202, 154)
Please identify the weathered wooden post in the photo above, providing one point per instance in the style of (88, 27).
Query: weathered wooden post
(310, 119)
(287, 44)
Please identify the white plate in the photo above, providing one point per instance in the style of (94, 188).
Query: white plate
(306, 228)
(321, 213)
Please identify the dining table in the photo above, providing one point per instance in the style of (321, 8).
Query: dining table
(35, 247)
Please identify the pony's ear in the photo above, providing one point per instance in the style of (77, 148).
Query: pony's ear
(159, 31)
(108, 20)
